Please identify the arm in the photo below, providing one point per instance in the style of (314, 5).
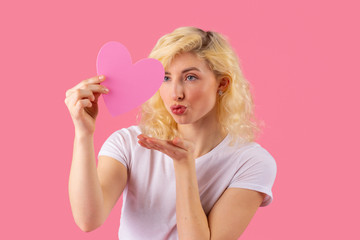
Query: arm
(93, 191)
(85, 195)
(228, 218)
(190, 216)
(230, 215)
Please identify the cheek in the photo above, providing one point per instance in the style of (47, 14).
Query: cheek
(162, 93)
(202, 97)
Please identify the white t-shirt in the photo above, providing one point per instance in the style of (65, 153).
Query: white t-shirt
(149, 198)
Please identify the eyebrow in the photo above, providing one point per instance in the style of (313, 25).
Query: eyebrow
(186, 70)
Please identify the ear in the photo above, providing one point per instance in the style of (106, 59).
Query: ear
(223, 84)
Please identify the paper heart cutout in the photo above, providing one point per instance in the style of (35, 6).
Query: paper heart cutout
(130, 84)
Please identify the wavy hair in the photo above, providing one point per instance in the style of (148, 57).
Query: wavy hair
(234, 107)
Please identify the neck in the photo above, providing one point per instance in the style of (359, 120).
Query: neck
(205, 135)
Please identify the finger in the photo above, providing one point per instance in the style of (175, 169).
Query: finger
(142, 141)
(144, 136)
(94, 88)
(81, 94)
(82, 104)
(83, 84)
(163, 146)
(88, 92)
(141, 136)
(157, 148)
(94, 80)
(98, 88)
(166, 147)
(184, 144)
(149, 142)
(144, 144)
(153, 143)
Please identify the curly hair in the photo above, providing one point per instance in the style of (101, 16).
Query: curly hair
(235, 106)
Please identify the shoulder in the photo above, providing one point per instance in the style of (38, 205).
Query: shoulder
(122, 140)
(256, 169)
(130, 131)
(122, 144)
(251, 153)
(128, 134)
(258, 153)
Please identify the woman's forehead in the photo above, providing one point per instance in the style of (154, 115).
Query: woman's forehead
(186, 61)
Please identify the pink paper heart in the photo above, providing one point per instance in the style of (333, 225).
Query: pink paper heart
(130, 84)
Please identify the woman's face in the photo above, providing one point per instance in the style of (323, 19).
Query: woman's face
(189, 89)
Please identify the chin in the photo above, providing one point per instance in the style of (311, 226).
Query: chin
(181, 120)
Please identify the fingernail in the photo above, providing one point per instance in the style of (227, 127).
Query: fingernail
(106, 90)
(101, 77)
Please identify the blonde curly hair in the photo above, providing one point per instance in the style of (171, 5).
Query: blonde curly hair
(235, 106)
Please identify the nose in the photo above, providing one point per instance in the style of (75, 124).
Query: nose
(177, 91)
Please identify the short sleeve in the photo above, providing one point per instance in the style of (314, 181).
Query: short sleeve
(257, 171)
(115, 146)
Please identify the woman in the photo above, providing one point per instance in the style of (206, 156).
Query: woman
(191, 169)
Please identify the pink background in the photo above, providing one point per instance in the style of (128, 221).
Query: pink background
(302, 60)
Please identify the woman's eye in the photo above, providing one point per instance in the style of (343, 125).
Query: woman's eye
(190, 78)
(166, 78)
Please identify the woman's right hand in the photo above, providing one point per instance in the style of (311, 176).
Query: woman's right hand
(82, 102)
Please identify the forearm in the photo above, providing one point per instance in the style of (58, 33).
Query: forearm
(191, 219)
(86, 198)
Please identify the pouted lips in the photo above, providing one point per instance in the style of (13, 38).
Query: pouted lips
(178, 109)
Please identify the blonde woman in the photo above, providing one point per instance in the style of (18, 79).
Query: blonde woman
(191, 168)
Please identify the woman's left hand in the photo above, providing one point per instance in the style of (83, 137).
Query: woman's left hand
(178, 149)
